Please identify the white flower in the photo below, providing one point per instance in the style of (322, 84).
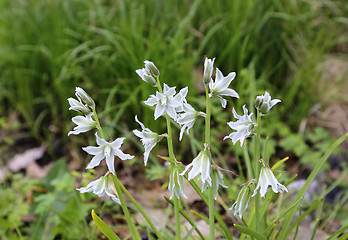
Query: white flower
(243, 126)
(217, 179)
(82, 95)
(181, 98)
(145, 76)
(84, 124)
(165, 102)
(264, 103)
(188, 118)
(100, 187)
(266, 179)
(79, 107)
(200, 165)
(176, 184)
(148, 138)
(108, 151)
(241, 204)
(219, 87)
(208, 70)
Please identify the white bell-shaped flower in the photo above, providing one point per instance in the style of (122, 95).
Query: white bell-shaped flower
(244, 126)
(200, 165)
(187, 118)
(219, 87)
(100, 187)
(176, 184)
(267, 179)
(148, 138)
(241, 204)
(106, 151)
(217, 180)
(84, 124)
(165, 102)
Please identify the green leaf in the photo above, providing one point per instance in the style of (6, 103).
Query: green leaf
(250, 232)
(104, 228)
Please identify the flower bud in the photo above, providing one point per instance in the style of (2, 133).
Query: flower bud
(146, 77)
(264, 103)
(82, 95)
(79, 107)
(208, 70)
(151, 68)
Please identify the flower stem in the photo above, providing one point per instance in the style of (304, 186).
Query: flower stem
(211, 190)
(257, 171)
(130, 223)
(98, 123)
(172, 163)
(140, 210)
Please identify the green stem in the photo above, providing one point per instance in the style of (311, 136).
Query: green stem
(172, 162)
(130, 223)
(257, 172)
(211, 190)
(98, 123)
(140, 210)
(207, 117)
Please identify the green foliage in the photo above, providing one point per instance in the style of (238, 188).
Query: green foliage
(13, 192)
(99, 44)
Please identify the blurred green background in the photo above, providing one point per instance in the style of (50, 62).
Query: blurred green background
(48, 47)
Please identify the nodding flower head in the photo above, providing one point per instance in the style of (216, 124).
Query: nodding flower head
(82, 95)
(100, 187)
(241, 204)
(267, 179)
(264, 103)
(200, 165)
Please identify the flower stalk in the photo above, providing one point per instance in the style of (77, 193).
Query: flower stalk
(172, 166)
(211, 189)
(134, 232)
(257, 170)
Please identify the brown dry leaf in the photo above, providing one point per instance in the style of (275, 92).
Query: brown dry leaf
(36, 171)
(24, 159)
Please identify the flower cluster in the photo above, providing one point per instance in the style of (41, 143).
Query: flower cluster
(104, 150)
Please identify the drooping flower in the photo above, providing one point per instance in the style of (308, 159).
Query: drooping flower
(219, 87)
(217, 179)
(100, 187)
(188, 118)
(264, 103)
(149, 73)
(200, 165)
(208, 70)
(165, 102)
(148, 138)
(244, 127)
(79, 107)
(266, 179)
(83, 96)
(176, 184)
(241, 204)
(108, 151)
(146, 77)
(84, 124)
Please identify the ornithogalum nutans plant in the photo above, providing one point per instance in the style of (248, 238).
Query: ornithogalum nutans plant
(203, 173)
